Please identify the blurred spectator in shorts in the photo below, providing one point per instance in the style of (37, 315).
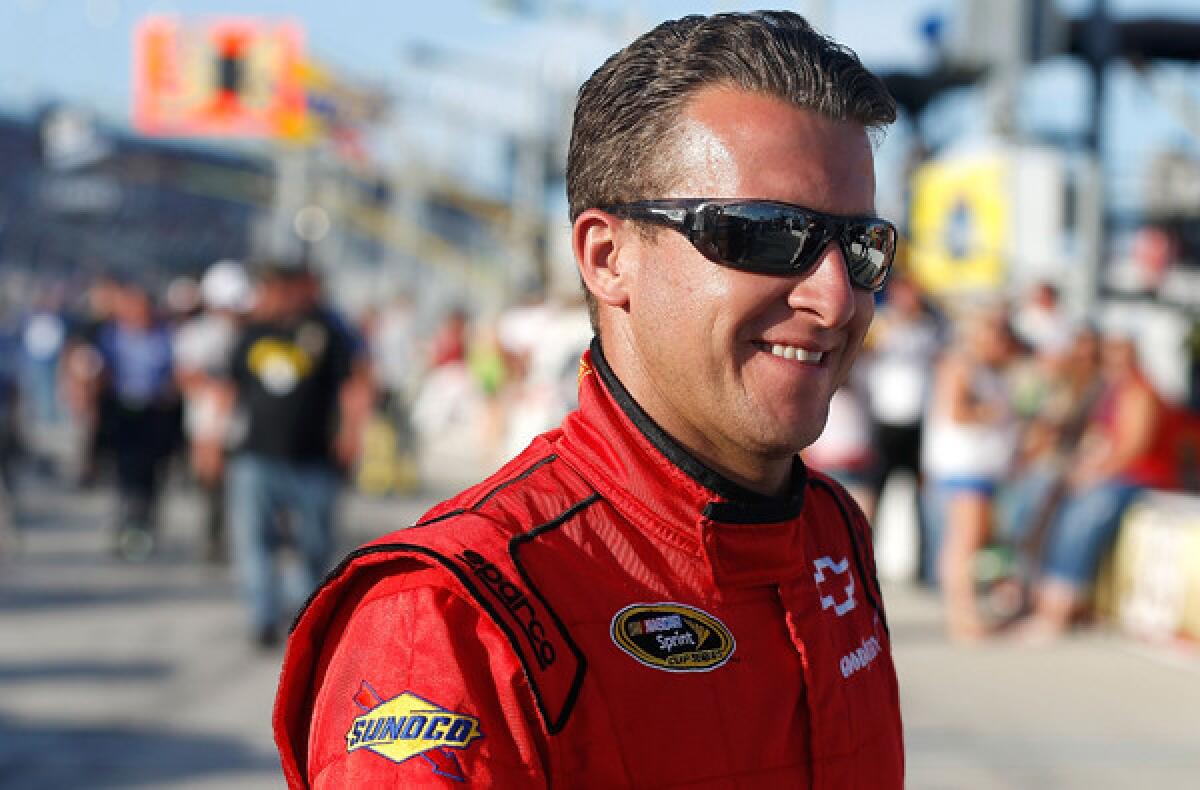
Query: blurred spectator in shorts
(967, 449)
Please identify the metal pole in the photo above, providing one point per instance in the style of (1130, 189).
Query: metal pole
(1100, 50)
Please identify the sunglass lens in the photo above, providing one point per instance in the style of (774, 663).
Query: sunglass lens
(767, 238)
(775, 238)
(869, 248)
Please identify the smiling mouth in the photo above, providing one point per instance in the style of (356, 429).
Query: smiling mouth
(792, 352)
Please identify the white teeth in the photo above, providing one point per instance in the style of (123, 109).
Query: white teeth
(797, 353)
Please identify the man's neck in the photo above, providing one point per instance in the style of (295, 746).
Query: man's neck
(766, 475)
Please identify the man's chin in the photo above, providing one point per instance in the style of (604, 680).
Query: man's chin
(788, 443)
(793, 432)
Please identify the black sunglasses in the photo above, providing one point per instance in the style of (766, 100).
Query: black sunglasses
(767, 237)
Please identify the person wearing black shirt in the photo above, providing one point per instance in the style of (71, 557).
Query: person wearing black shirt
(298, 383)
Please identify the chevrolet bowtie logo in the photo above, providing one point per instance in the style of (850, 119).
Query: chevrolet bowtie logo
(837, 569)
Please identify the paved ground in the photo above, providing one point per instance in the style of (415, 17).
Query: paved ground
(1095, 711)
(114, 675)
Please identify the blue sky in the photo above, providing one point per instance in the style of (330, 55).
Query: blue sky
(79, 50)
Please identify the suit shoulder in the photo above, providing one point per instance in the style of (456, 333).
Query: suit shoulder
(527, 492)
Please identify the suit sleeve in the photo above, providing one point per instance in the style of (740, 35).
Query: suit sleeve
(416, 687)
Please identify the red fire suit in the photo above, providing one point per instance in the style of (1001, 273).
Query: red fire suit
(606, 612)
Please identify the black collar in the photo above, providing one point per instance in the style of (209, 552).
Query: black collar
(735, 504)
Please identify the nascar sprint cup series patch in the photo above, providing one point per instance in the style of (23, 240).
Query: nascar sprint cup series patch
(672, 637)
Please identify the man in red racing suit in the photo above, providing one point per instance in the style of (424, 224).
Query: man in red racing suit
(658, 593)
(602, 612)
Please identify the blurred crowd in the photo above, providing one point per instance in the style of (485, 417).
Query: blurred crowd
(1027, 432)
(248, 384)
(1024, 433)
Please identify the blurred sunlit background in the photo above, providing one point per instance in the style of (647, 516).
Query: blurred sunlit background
(412, 154)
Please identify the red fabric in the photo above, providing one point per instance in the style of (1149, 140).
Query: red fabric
(1158, 466)
(500, 609)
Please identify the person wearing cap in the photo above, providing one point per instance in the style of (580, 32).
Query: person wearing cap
(203, 351)
(298, 390)
(657, 593)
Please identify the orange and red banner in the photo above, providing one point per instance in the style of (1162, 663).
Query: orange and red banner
(228, 77)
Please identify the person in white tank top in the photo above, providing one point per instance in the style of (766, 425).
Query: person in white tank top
(970, 437)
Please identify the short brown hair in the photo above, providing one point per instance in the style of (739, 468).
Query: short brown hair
(628, 109)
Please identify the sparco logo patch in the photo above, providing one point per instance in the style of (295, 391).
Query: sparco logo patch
(672, 637)
(516, 602)
(409, 726)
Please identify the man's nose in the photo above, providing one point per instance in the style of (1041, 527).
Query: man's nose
(826, 290)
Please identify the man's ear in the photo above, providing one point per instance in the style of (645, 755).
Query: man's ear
(596, 242)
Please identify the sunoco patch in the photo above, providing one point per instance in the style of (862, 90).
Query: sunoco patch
(409, 726)
(672, 637)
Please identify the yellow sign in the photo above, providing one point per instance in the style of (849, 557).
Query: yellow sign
(960, 224)
(232, 77)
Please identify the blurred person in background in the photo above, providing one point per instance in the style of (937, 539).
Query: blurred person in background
(901, 350)
(312, 290)
(203, 352)
(449, 343)
(454, 419)
(1056, 396)
(967, 450)
(1126, 446)
(396, 348)
(521, 326)
(663, 557)
(845, 450)
(1039, 321)
(299, 393)
(43, 338)
(136, 360)
(183, 300)
(11, 438)
(88, 393)
(493, 379)
(543, 341)
(388, 463)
